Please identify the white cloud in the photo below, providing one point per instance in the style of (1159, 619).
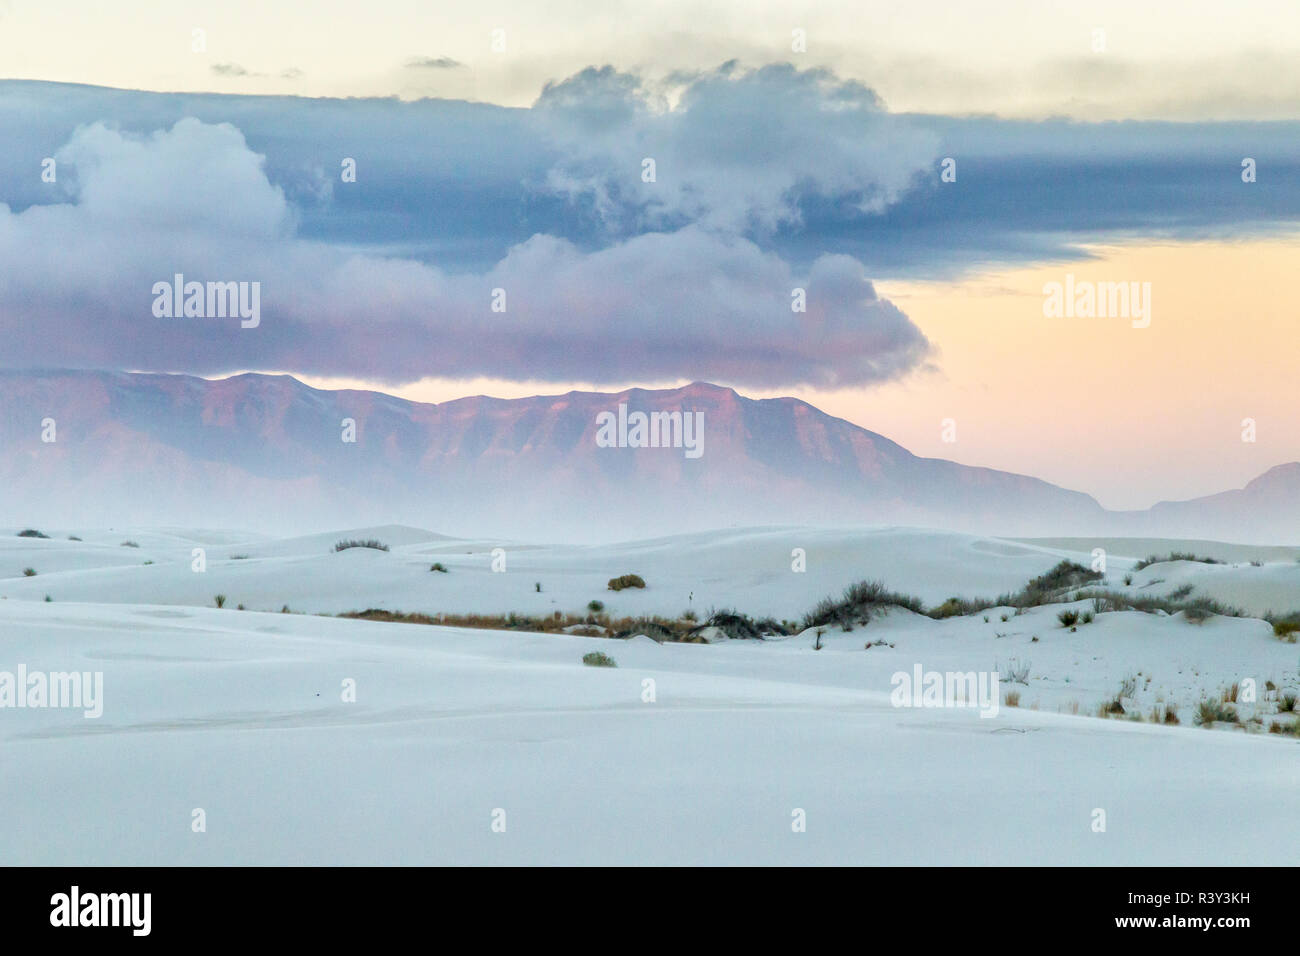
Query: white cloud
(732, 148)
(695, 302)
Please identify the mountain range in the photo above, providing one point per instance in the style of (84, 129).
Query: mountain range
(266, 452)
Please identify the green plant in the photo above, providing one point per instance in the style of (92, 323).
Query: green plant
(859, 602)
(354, 543)
(1287, 629)
(739, 626)
(31, 533)
(219, 600)
(1209, 712)
(626, 581)
(595, 607)
(1172, 556)
(29, 572)
(597, 659)
(653, 628)
(438, 566)
(1068, 618)
(129, 544)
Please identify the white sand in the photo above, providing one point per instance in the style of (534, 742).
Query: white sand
(219, 709)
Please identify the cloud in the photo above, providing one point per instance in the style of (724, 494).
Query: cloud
(196, 177)
(737, 149)
(695, 302)
(459, 183)
(433, 63)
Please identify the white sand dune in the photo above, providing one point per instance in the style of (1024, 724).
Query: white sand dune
(750, 569)
(241, 713)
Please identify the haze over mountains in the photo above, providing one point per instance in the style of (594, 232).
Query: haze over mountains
(264, 452)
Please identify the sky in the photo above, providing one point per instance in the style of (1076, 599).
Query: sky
(918, 173)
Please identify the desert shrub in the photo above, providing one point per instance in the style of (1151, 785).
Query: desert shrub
(1013, 698)
(1172, 556)
(48, 599)
(858, 603)
(689, 615)
(625, 581)
(597, 659)
(1068, 618)
(1128, 579)
(1017, 672)
(595, 607)
(130, 544)
(651, 627)
(1180, 593)
(1171, 715)
(1287, 703)
(73, 537)
(354, 543)
(438, 566)
(959, 607)
(1047, 587)
(1066, 574)
(737, 626)
(1287, 629)
(1149, 604)
(31, 533)
(1212, 711)
(29, 572)
(219, 600)
(239, 557)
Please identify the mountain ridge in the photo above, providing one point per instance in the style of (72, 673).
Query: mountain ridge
(270, 449)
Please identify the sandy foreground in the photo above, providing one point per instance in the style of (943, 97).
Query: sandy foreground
(476, 746)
